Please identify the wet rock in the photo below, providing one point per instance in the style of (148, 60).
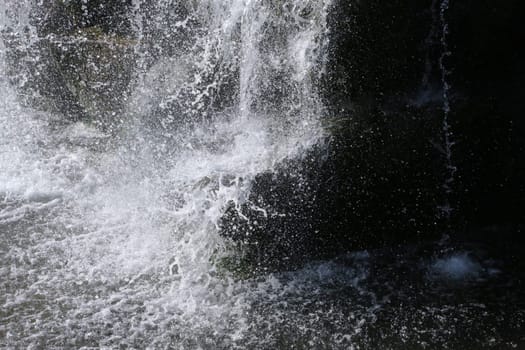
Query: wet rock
(97, 69)
(81, 63)
(333, 201)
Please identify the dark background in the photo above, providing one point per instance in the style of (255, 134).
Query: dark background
(382, 51)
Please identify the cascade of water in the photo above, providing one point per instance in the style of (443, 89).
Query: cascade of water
(119, 231)
(448, 142)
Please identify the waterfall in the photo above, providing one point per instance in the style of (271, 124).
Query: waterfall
(109, 216)
(156, 155)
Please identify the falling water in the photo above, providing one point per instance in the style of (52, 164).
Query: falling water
(109, 221)
(448, 142)
(435, 87)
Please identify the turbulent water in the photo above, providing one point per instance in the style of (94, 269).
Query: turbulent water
(109, 231)
(113, 239)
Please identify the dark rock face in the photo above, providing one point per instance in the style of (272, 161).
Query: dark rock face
(381, 179)
(282, 220)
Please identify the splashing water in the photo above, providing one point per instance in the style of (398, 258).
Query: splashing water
(109, 235)
(112, 186)
(459, 266)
